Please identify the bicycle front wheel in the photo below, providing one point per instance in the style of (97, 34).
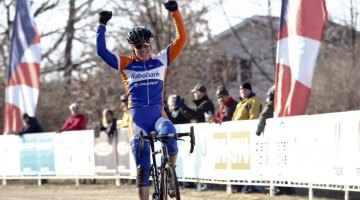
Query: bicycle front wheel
(169, 186)
(173, 184)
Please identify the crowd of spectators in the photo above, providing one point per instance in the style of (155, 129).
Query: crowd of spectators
(246, 107)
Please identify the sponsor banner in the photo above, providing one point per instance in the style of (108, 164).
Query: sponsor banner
(125, 159)
(37, 154)
(222, 152)
(213, 142)
(311, 149)
(287, 147)
(187, 165)
(9, 155)
(351, 128)
(318, 149)
(241, 139)
(74, 153)
(105, 154)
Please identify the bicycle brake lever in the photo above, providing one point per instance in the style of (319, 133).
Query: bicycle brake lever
(180, 139)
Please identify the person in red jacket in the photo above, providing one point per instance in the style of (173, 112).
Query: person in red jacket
(76, 121)
(227, 105)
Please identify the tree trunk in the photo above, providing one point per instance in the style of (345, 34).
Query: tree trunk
(70, 32)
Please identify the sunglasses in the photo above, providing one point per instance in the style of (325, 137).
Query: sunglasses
(145, 45)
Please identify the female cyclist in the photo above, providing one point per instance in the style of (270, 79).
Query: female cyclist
(143, 74)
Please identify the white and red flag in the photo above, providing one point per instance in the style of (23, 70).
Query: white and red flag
(301, 30)
(22, 87)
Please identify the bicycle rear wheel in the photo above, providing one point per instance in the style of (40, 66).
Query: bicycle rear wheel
(169, 186)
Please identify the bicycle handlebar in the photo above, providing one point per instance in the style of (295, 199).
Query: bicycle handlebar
(155, 137)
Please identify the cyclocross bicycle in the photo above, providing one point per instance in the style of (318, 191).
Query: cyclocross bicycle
(164, 175)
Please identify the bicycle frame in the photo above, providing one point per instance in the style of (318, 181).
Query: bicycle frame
(154, 167)
(157, 173)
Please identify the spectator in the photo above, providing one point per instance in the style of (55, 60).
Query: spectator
(31, 125)
(227, 105)
(108, 123)
(249, 106)
(124, 122)
(203, 105)
(268, 112)
(76, 121)
(173, 112)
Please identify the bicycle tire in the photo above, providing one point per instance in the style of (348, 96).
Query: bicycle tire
(163, 186)
(171, 174)
(155, 195)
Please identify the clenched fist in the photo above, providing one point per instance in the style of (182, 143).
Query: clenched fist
(104, 16)
(171, 5)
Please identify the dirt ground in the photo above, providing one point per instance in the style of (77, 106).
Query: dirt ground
(101, 191)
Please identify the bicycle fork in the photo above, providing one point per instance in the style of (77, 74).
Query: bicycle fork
(155, 170)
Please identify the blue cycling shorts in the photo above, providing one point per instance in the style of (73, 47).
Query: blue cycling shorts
(148, 119)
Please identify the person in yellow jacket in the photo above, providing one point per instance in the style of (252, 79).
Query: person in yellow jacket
(249, 106)
(125, 120)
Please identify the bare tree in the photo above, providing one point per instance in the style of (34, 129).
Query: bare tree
(336, 81)
(273, 33)
(5, 36)
(353, 102)
(246, 49)
(96, 85)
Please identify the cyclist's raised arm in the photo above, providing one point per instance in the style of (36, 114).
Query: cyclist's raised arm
(181, 35)
(109, 57)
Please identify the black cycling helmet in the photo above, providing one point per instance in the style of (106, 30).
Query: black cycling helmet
(139, 35)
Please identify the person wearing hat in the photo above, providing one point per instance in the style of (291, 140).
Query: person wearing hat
(76, 121)
(31, 125)
(124, 122)
(203, 105)
(227, 105)
(173, 112)
(108, 123)
(249, 106)
(268, 111)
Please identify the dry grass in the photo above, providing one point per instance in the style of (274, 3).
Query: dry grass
(28, 190)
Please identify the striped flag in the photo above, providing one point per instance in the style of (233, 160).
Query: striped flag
(22, 89)
(302, 25)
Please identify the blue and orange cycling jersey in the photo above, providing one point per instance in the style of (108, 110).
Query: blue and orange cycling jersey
(144, 84)
(144, 80)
